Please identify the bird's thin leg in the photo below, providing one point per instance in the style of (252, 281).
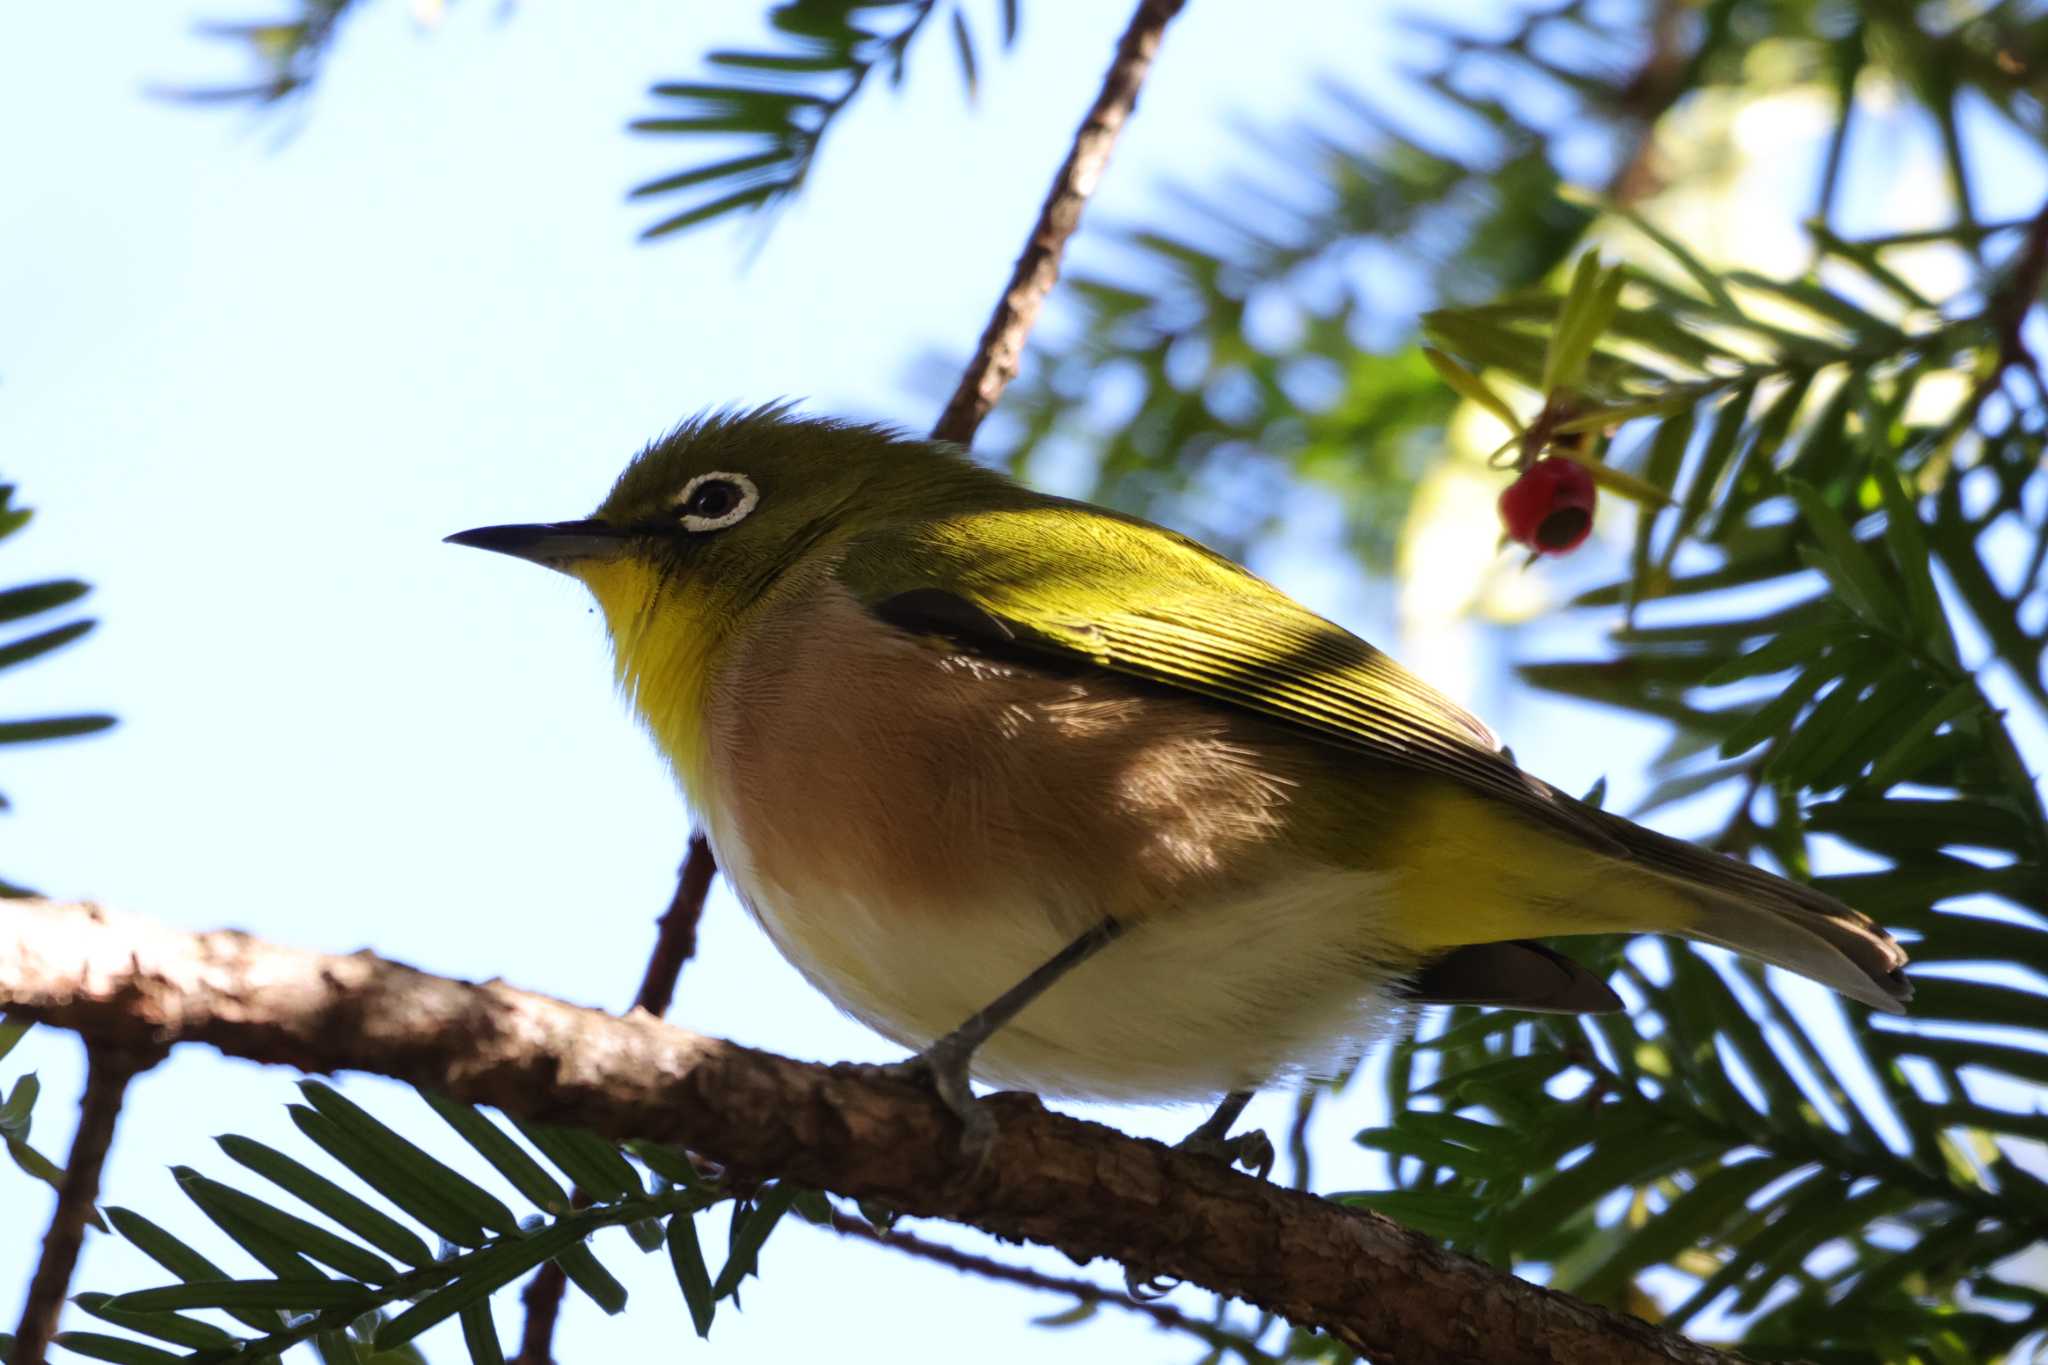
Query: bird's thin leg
(1217, 1126)
(944, 1064)
(1252, 1150)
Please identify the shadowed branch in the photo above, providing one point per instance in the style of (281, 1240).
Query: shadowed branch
(1087, 1190)
(109, 1068)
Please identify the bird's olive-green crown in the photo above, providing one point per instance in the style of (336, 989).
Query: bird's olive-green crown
(792, 480)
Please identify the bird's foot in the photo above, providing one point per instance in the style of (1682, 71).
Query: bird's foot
(1150, 1288)
(1252, 1150)
(942, 1069)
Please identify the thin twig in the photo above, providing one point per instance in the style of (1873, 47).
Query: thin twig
(108, 1071)
(994, 365)
(2007, 313)
(1297, 1134)
(675, 941)
(543, 1299)
(1081, 1291)
(1644, 99)
(1001, 349)
(2022, 289)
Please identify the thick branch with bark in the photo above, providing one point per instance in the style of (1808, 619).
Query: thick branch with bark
(1384, 1291)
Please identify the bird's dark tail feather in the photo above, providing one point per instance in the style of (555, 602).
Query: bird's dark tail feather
(1740, 906)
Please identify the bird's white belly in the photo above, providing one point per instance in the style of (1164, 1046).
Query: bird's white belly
(1184, 1005)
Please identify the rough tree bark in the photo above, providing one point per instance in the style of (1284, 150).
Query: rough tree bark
(1386, 1292)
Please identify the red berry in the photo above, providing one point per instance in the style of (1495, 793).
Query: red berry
(1550, 507)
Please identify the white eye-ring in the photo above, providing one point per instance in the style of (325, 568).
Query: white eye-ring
(714, 501)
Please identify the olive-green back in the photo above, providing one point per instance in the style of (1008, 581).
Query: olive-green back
(1065, 582)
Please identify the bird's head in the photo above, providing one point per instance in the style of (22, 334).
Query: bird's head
(706, 520)
(722, 503)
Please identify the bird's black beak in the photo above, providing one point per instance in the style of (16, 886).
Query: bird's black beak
(551, 544)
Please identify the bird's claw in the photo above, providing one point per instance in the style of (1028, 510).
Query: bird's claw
(1150, 1288)
(1252, 1150)
(943, 1071)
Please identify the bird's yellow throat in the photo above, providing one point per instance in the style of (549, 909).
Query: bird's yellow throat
(665, 647)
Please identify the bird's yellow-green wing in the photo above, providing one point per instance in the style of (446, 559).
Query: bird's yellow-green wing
(1069, 583)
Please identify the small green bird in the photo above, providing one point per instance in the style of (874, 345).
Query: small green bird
(1064, 797)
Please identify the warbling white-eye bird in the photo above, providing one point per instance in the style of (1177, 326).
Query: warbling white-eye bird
(1064, 799)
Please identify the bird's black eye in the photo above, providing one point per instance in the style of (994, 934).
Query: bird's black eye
(712, 499)
(712, 502)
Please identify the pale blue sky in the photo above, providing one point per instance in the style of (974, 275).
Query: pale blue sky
(252, 378)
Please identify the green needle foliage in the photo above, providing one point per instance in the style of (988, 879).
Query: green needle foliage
(764, 112)
(1264, 337)
(359, 1283)
(1834, 602)
(19, 606)
(17, 1117)
(1848, 1190)
(770, 111)
(285, 53)
(1241, 359)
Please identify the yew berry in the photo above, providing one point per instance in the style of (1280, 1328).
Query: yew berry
(1549, 508)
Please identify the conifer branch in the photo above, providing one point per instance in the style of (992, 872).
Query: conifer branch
(1087, 1190)
(675, 943)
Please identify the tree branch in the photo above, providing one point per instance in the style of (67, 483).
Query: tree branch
(543, 1300)
(1649, 93)
(2006, 311)
(1380, 1289)
(109, 1067)
(675, 941)
(1001, 349)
